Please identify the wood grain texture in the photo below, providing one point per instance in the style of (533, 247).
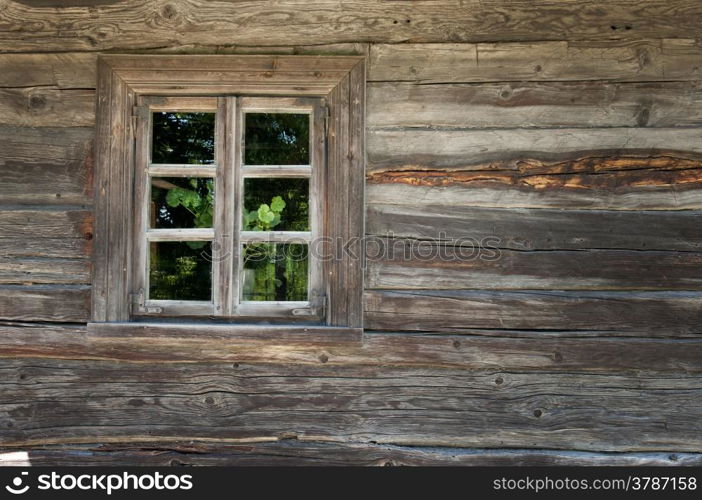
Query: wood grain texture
(133, 25)
(498, 349)
(280, 75)
(450, 310)
(61, 70)
(535, 104)
(46, 165)
(73, 402)
(645, 60)
(114, 185)
(452, 148)
(431, 266)
(61, 303)
(543, 229)
(50, 232)
(78, 70)
(492, 174)
(47, 107)
(310, 453)
(27, 271)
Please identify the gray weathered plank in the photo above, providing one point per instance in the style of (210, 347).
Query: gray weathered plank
(311, 453)
(47, 107)
(134, 25)
(61, 70)
(451, 148)
(46, 165)
(62, 303)
(25, 271)
(50, 232)
(543, 229)
(535, 104)
(451, 310)
(429, 266)
(648, 60)
(54, 402)
(508, 350)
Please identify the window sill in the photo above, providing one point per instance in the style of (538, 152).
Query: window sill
(226, 335)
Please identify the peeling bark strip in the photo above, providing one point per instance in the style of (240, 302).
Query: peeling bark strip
(601, 162)
(609, 179)
(48, 402)
(604, 180)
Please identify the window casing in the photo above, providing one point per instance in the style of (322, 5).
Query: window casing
(133, 88)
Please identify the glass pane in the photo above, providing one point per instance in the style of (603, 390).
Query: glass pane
(277, 139)
(275, 272)
(178, 202)
(183, 138)
(180, 270)
(276, 205)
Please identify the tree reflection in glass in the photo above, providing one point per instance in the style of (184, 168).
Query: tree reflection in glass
(275, 272)
(180, 270)
(183, 138)
(181, 202)
(277, 139)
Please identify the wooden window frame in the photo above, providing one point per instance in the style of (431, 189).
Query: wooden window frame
(229, 173)
(127, 81)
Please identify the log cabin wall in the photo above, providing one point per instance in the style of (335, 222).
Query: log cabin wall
(563, 136)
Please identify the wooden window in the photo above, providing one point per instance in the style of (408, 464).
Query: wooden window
(210, 173)
(229, 188)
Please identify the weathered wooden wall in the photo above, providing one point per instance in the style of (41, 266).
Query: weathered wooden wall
(568, 133)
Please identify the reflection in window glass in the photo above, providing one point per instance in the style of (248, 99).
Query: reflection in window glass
(275, 272)
(276, 205)
(183, 138)
(180, 270)
(277, 139)
(181, 202)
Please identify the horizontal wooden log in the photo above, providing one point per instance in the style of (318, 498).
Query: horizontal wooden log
(413, 265)
(551, 351)
(46, 165)
(451, 310)
(535, 104)
(647, 60)
(53, 72)
(46, 233)
(543, 229)
(66, 303)
(133, 25)
(26, 271)
(476, 172)
(46, 402)
(47, 107)
(453, 148)
(307, 453)
(60, 70)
